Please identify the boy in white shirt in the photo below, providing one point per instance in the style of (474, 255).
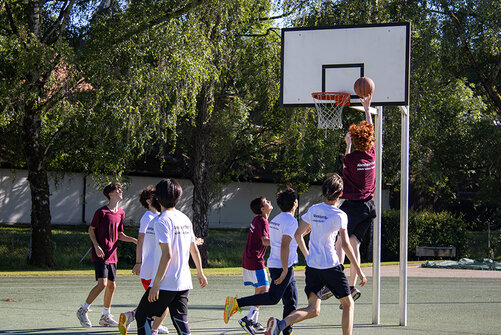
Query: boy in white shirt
(325, 221)
(144, 257)
(171, 274)
(283, 255)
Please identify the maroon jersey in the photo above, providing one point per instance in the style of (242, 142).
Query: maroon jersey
(107, 225)
(359, 175)
(253, 258)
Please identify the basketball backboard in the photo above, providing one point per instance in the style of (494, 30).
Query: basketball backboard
(331, 59)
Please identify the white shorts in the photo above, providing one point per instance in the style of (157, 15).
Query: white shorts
(256, 278)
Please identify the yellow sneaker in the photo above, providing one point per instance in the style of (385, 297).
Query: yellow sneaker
(230, 308)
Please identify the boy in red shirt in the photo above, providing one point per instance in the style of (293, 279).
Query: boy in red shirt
(359, 178)
(254, 269)
(105, 230)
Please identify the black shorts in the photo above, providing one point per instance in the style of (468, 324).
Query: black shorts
(334, 278)
(105, 270)
(360, 215)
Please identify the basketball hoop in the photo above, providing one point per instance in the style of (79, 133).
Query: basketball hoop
(330, 108)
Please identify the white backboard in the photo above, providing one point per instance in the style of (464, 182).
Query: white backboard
(331, 59)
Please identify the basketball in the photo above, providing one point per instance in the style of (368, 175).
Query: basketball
(364, 86)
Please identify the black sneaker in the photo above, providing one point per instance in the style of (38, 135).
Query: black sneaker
(258, 328)
(355, 294)
(325, 293)
(246, 324)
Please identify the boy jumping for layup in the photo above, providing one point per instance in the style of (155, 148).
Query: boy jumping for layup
(325, 221)
(283, 256)
(359, 178)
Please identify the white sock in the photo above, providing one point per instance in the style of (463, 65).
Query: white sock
(85, 305)
(253, 314)
(106, 311)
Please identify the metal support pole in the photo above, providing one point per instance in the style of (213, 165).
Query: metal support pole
(404, 215)
(376, 240)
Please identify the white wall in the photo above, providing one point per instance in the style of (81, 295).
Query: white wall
(67, 193)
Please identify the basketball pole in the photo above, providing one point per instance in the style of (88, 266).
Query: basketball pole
(404, 214)
(376, 240)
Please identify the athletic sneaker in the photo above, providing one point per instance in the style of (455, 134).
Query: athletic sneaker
(163, 330)
(258, 328)
(107, 321)
(247, 324)
(125, 320)
(82, 317)
(230, 308)
(272, 327)
(355, 294)
(325, 293)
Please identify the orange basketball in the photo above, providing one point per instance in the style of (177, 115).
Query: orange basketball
(364, 86)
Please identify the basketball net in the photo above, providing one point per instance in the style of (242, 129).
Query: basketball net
(329, 107)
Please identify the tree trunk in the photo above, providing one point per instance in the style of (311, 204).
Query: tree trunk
(41, 250)
(201, 139)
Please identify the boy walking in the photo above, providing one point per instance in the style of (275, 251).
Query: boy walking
(175, 242)
(283, 255)
(325, 221)
(105, 230)
(253, 267)
(144, 257)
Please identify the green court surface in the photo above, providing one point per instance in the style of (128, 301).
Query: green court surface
(47, 305)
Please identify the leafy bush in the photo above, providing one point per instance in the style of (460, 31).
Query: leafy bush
(427, 229)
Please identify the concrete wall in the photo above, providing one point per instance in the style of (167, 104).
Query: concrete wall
(230, 210)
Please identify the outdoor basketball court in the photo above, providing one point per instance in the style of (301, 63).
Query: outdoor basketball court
(439, 302)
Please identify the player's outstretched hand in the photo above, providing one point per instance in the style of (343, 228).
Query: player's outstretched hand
(366, 101)
(347, 138)
(202, 280)
(199, 241)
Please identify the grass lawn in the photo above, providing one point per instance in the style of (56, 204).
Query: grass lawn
(225, 248)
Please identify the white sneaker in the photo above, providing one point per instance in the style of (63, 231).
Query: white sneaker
(107, 321)
(82, 317)
(163, 330)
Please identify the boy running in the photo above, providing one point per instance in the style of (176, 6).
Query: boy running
(283, 256)
(253, 267)
(105, 230)
(325, 221)
(175, 242)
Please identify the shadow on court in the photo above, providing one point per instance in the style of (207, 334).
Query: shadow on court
(47, 305)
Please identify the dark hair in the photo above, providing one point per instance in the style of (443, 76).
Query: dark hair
(332, 187)
(286, 199)
(256, 205)
(111, 188)
(168, 192)
(149, 194)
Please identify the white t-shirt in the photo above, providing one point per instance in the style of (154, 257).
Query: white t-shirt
(174, 228)
(325, 221)
(282, 224)
(146, 228)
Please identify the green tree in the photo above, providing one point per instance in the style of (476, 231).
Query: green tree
(55, 117)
